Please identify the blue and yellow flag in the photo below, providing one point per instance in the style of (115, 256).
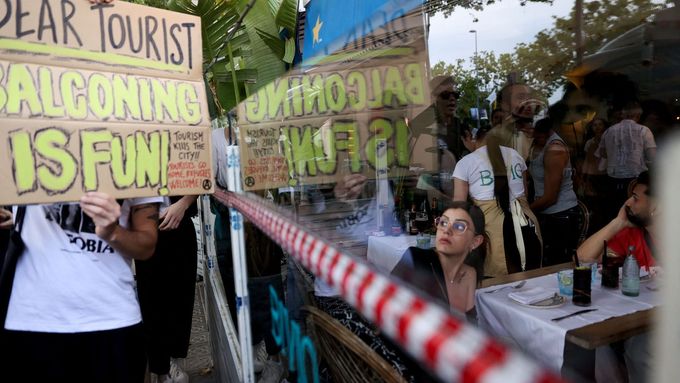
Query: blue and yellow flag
(334, 25)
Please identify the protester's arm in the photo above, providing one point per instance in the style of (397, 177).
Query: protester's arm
(591, 249)
(173, 215)
(554, 162)
(139, 240)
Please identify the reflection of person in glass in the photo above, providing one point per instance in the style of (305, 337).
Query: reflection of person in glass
(441, 122)
(519, 104)
(555, 202)
(452, 263)
(445, 97)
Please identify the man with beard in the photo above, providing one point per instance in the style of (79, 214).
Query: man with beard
(633, 226)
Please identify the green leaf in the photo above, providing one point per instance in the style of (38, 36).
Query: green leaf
(286, 16)
(268, 64)
(273, 42)
(223, 74)
(289, 55)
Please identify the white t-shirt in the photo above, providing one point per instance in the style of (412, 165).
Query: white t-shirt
(476, 170)
(624, 145)
(68, 279)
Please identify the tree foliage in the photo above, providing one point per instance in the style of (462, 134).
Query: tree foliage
(543, 62)
(447, 7)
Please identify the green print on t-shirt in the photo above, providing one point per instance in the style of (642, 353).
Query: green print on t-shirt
(486, 178)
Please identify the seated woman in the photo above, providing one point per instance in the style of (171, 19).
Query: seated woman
(460, 248)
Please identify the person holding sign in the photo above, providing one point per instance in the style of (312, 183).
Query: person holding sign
(73, 314)
(166, 286)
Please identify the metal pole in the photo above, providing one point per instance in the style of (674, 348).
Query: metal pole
(479, 116)
(240, 271)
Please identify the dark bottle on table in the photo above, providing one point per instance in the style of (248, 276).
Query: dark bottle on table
(610, 270)
(413, 229)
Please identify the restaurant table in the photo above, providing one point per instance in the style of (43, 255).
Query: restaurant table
(386, 251)
(530, 329)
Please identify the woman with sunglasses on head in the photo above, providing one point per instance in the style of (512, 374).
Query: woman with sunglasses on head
(455, 262)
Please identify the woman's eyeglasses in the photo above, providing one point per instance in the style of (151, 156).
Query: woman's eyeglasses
(444, 223)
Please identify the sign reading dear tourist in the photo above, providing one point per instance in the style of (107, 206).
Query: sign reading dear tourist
(104, 97)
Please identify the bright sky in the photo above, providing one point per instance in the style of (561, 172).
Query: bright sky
(501, 26)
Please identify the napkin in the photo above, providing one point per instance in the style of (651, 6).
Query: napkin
(531, 296)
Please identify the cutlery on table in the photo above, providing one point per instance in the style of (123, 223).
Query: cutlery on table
(572, 314)
(517, 286)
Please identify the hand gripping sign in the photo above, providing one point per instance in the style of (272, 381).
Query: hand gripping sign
(104, 97)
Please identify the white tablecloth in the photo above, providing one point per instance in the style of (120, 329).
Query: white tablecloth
(531, 329)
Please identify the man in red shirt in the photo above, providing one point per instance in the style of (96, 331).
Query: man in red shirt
(633, 226)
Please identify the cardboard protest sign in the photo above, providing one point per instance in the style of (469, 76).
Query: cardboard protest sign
(116, 37)
(324, 121)
(104, 97)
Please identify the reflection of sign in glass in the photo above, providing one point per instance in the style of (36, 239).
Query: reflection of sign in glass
(323, 122)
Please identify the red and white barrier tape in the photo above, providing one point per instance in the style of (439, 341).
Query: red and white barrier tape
(454, 350)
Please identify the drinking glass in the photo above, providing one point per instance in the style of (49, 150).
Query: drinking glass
(565, 280)
(582, 281)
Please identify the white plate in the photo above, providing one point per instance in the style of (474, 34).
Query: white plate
(550, 303)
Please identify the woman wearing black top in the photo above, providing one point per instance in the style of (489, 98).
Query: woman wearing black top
(455, 262)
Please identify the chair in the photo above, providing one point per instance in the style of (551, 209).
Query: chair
(349, 359)
(583, 222)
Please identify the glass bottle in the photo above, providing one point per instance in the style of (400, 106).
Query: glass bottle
(630, 281)
(413, 230)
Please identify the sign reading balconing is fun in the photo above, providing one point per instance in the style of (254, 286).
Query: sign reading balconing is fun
(105, 97)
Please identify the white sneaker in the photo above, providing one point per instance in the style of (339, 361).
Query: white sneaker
(177, 374)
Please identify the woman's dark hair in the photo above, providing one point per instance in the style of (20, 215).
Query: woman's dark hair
(645, 178)
(476, 258)
(482, 131)
(543, 125)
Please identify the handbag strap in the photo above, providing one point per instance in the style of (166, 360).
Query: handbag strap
(19, 218)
